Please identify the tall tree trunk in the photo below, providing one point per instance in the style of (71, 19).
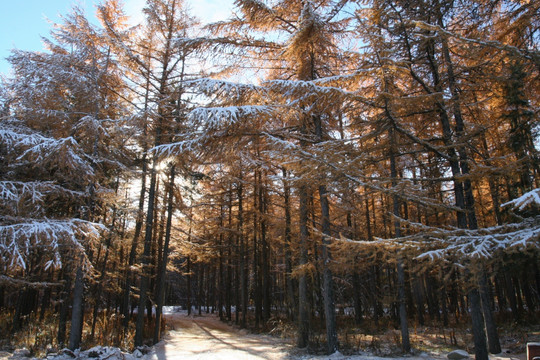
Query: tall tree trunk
(220, 275)
(243, 254)
(405, 341)
(139, 328)
(265, 248)
(64, 307)
(357, 297)
(328, 283)
(99, 285)
(256, 262)
(419, 300)
(200, 293)
(228, 264)
(140, 213)
(289, 282)
(491, 329)
(188, 279)
(162, 272)
(303, 312)
(75, 333)
(480, 346)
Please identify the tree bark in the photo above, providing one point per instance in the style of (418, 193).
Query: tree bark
(328, 283)
(303, 312)
(480, 346)
(289, 282)
(491, 328)
(139, 328)
(162, 273)
(75, 333)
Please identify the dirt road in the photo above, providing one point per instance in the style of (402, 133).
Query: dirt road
(207, 338)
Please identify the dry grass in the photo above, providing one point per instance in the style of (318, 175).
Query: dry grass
(40, 336)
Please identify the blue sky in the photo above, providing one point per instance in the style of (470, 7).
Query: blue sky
(24, 22)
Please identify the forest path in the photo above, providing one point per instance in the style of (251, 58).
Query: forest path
(205, 337)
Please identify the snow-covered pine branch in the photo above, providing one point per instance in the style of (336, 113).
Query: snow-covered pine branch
(310, 92)
(59, 153)
(224, 89)
(36, 148)
(433, 243)
(191, 142)
(483, 243)
(33, 191)
(531, 198)
(48, 237)
(213, 118)
(14, 135)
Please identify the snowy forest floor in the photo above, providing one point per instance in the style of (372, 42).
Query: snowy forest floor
(206, 337)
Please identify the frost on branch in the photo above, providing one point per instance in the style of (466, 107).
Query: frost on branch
(48, 238)
(13, 135)
(531, 198)
(210, 123)
(482, 243)
(219, 117)
(307, 92)
(224, 89)
(34, 148)
(59, 153)
(16, 195)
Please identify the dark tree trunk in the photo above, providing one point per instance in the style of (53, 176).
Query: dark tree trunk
(265, 248)
(328, 283)
(431, 284)
(303, 312)
(243, 256)
(374, 294)
(357, 297)
(17, 321)
(139, 328)
(257, 295)
(289, 282)
(75, 333)
(419, 300)
(162, 271)
(200, 293)
(405, 341)
(45, 301)
(188, 279)
(511, 294)
(220, 277)
(444, 307)
(99, 286)
(480, 346)
(64, 308)
(140, 217)
(491, 328)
